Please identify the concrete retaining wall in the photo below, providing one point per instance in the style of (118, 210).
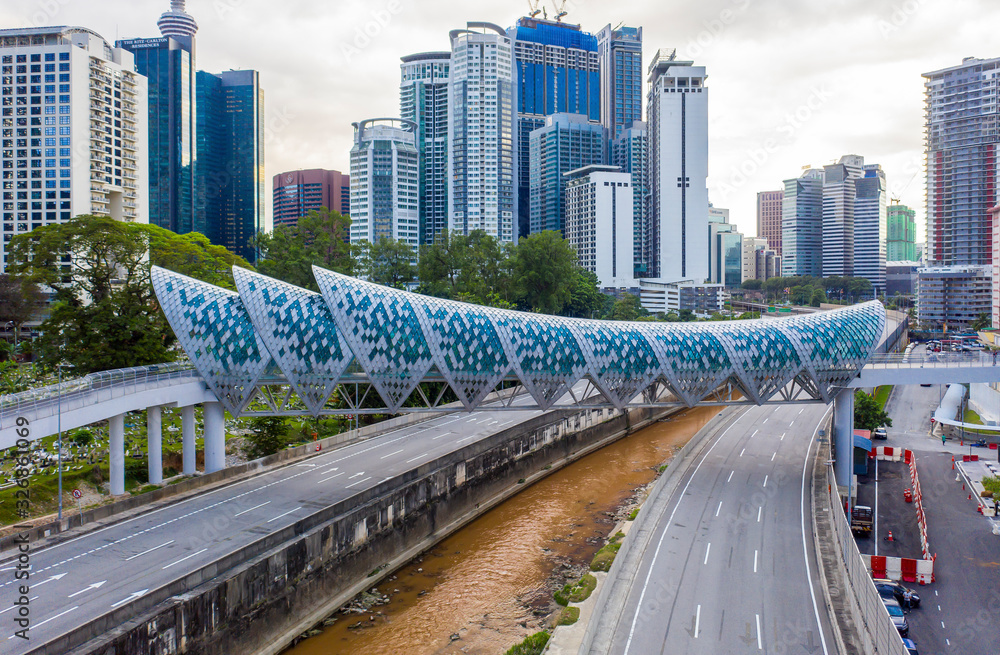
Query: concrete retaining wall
(257, 599)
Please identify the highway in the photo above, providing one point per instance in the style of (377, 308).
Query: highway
(725, 563)
(80, 579)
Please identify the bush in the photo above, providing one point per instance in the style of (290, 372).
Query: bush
(268, 436)
(605, 557)
(532, 645)
(635, 513)
(578, 592)
(569, 616)
(992, 484)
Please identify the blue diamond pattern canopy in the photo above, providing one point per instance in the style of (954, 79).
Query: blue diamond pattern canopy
(398, 338)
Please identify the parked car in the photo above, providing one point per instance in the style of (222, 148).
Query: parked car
(911, 647)
(897, 616)
(880, 433)
(892, 589)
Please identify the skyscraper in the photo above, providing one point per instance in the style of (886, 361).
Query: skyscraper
(870, 227)
(72, 129)
(385, 182)
(802, 225)
(839, 192)
(230, 171)
(677, 112)
(169, 66)
(599, 223)
(901, 235)
(566, 142)
(725, 249)
(630, 152)
(962, 115)
(769, 217)
(482, 193)
(556, 71)
(619, 52)
(423, 99)
(296, 193)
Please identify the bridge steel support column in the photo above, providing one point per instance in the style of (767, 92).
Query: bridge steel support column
(116, 453)
(189, 453)
(843, 437)
(154, 440)
(215, 437)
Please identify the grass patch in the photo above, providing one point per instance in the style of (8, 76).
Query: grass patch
(618, 536)
(972, 417)
(569, 616)
(662, 468)
(635, 513)
(992, 485)
(882, 395)
(605, 557)
(532, 645)
(577, 593)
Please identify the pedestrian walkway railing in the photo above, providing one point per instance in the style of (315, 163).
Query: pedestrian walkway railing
(93, 388)
(977, 359)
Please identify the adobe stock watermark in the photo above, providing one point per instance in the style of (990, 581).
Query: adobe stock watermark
(900, 15)
(784, 134)
(367, 33)
(714, 29)
(46, 11)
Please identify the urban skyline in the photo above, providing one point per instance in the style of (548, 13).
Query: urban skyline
(770, 136)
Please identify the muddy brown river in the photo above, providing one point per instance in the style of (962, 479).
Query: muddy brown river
(489, 585)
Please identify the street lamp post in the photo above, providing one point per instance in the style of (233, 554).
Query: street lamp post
(59, 445)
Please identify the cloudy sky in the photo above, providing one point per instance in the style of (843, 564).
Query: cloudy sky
(793, 82)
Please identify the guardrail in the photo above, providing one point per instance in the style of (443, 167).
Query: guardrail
(875, 626)
(93, 388)
(930, 360)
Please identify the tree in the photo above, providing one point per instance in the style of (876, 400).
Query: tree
(686, 315)
(752, 284)
(267, 436)
(321, 237)
(439, 265)
(543, 271)
(867, 414)
(981, 323)
(818, 297)
(105, 314)
(20, 299)
(388, 262)
(773, 286)
(586, 300)
(627, 308)
(801, 295)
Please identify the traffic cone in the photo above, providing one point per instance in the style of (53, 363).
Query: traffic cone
(889, 538)
(970, 496)
(952, 463)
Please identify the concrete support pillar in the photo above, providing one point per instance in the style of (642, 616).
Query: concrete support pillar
(843, 437)
(116, 453)
(190, 451)
(215, 437)
(154, 441)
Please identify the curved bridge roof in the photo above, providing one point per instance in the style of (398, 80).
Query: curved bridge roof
(398, 338)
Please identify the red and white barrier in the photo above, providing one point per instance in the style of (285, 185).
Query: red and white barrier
(889, 453)
(905, 569)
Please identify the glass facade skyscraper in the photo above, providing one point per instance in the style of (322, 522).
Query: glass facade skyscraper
(901, 235)
(619, 50)
(566, 142)
(557, 71)
(871, 226)
(802, 225)
(385, 182)
(630, 152)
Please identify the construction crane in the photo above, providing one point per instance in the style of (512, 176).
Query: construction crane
(533, 8)
(560, 8)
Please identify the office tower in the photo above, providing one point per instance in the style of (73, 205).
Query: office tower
(229, 176)
(725, 249)
(802, 225)
(769, 217)
(870, 227)
(599, 223)
(556, 71)
(677, 113)
(760, 261)
(566, 142)
(385, 182)
(296, 193)
(630, 153)
(901, 234)
(72, 129)
(482, 142)
(619, 52)
(953, 297)
(839, 192)
(423, 99)
(962, 113)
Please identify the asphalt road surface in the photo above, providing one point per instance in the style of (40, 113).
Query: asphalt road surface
(80, 579)
(730, 567)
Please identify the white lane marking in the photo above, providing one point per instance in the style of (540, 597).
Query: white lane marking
(805, 549)
(391, 454)
(719, 508)
(774, 455)
(947, 642)
(133, 596)
(730, 476)
(754, 434)
(791, 423)
(37, 625)
(763, 422)
(252, 508)
(475, 436)
(800, 410)
(183, 558)
(760, 644)
(55, 577)
(440, 436)
(356, 475)
(306, 465)
(939, 608)
(663, 536)
(782, 437)
(697, 621)
(708, 549)
(96, 585)
(935, 592)
(148, 551)
(759, 510)
(742, 451)
(336, 475)
(765, 480)
(754, 561)
(285, 514)
(942, 624)
(358, 482)
(13, 606)
(416, 458)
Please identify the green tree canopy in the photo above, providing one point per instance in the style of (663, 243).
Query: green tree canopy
(387, 261)
(752, 284)
(321, 237)
(586, 300)
(543, 270)
(867, 414)
(627, 308)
